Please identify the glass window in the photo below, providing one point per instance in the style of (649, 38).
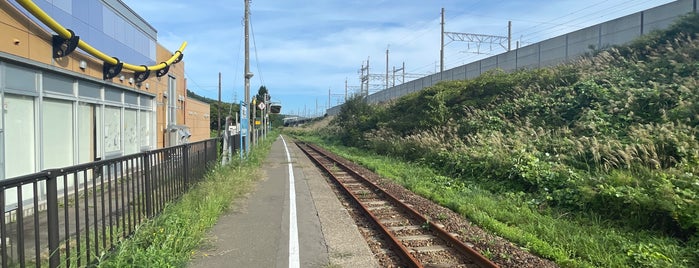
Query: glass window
(112, 129)
(146, 101)
(88, 131)
(145, 125)
(131, 136)
(56, 83)
(57, 133)
(20, 78)
(171, 100)
(112, 94)
(19, 128)
(131, 98)
(89, 89)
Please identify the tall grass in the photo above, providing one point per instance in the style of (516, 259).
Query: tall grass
(611, 140)
(569, 240)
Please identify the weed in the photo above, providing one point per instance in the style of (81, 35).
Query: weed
(425, 225)
(487, 253)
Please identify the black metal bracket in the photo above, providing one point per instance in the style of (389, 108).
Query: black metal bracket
(64, 46)
(109, 71)
(141, 76)
(163, 71)
(179, 58)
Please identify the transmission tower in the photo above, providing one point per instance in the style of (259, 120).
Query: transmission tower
(478, 39)
(367, 86)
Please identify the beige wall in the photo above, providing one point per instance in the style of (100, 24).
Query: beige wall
(197, 118)
(159, 87)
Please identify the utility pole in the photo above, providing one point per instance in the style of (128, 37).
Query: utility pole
(247, 73)
(224, 133)
(265, 114)
(345, 92)
(218, 122)
(386, 68)
(509, 35)
(397, 70)
(504, 41)
(364, 79)
(254, 120)
(441, 51)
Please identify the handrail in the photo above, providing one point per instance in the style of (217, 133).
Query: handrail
(63, 32)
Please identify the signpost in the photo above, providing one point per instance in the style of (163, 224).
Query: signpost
(244, 129)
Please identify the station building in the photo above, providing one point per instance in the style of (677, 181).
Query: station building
(61, 111)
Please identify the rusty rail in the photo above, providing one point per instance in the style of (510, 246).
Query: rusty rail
(315, 154)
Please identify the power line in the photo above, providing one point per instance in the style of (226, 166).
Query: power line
(585, 17)
(257, 60)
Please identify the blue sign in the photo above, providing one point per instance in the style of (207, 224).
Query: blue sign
(244, 119)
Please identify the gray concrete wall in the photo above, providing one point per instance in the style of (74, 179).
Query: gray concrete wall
(473, 69)
(583, 41)
(621, 30)
(508, 60)
(663, 16)
(528, 57)
(552, 51)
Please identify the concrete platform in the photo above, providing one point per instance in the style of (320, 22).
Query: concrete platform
(257, 232)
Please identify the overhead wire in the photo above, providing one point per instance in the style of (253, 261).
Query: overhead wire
(471, 10)
(569, 23)
(571, 13)
(257, 60)
(586, 17)
(237, 63)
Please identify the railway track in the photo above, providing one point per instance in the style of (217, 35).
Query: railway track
(416, 240)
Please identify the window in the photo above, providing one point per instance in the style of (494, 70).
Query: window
(131, 137)
(22, 79)
(171, 101)
(57, 133)
(89, 119)
(56, 83)
(112, 129)
(20, 151)
(19, 135)
(145, 125)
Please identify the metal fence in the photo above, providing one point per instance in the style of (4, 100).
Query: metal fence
(72, 216)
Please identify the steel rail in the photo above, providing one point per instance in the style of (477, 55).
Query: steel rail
(439, 231)
(63, 32)
(403, 252)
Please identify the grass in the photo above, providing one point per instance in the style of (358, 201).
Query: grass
(570, 241)
(171, 239)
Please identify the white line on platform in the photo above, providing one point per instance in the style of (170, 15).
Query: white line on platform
(294, 259)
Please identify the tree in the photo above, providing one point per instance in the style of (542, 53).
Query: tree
(261, 94)
(356, 117)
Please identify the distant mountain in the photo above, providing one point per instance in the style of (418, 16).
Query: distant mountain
(191, 94)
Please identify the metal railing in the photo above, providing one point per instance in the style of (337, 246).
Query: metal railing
(72, 216)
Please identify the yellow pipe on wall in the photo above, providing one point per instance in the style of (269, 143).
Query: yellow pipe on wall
(63, 32)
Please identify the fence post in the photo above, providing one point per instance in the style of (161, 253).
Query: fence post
(185, 158)
(52, 217)
(148, 191)
(206, 153)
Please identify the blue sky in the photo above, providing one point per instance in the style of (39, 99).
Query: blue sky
(304, 51)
